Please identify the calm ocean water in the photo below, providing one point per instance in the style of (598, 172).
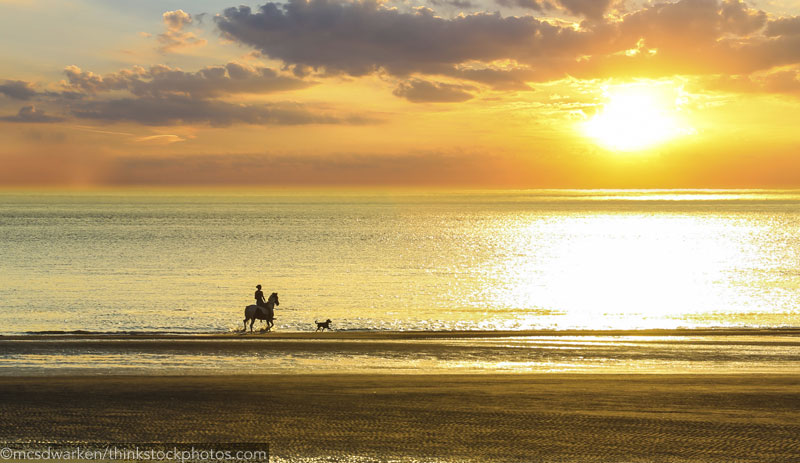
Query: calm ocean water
(182, 262)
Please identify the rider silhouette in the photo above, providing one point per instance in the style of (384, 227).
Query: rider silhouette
(260, 302)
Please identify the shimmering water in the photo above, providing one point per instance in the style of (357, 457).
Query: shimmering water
(181, 262)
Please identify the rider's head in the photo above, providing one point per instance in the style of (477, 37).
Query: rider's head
(258, 286)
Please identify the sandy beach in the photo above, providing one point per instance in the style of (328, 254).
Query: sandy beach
(400, 396)
(488, 418)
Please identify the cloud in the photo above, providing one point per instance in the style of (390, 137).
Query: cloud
(175, 38)
(594, 9)
(162, 95)
(783, 81)
(183, 110)
(535, 5)
(160, 80)
(686, 37)
(362, 37)
(696, 37)
(737, 18)
(417, 168)
(160, 139)
(17, 89)
(463, 4)
(422, 91)
(498, 79)
(176, 20)
(31, 114)
(783, 26)
(587, 8)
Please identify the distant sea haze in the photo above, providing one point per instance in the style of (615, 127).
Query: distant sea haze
(511, 260)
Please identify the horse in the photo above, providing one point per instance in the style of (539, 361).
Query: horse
(253, 312)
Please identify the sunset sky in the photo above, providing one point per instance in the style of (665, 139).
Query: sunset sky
(452, 93)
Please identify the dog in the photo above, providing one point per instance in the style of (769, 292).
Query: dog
(323, 325)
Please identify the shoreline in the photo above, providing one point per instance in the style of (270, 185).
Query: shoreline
(484, 353)
(400, 335)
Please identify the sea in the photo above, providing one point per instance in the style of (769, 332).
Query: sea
(188, 262)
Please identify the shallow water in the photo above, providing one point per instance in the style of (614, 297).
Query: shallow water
(537, 354)
(379, 261)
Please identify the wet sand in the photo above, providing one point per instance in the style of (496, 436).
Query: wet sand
(491, 418)
(398, 335)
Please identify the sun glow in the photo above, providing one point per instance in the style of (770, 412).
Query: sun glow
(636, 117)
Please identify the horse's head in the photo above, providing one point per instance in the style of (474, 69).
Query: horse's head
(274, 297)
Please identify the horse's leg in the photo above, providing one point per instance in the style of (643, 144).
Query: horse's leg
(252, 320)
(244, 328)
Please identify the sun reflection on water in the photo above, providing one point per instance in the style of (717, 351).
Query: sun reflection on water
(627, 270)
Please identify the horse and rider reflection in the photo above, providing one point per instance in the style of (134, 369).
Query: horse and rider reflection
(261, 310)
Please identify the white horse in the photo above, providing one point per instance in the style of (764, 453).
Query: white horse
(253, 312)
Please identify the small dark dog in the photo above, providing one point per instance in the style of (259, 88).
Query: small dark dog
(323, 325)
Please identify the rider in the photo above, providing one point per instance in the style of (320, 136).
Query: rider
(260, 297)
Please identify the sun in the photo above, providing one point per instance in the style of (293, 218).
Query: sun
(636, 117)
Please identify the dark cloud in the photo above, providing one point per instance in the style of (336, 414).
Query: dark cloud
(688, 24)
(535, 5)
(363, 37)
(738, 18)
(177, 110)
(594, 9)
(783, 26)
(160, 80)
(163, 95)
(463, 4)
(17, 89)
(692, 23)
(422, 91)
(31, 114)
(358, 38)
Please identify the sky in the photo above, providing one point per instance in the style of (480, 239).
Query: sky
(422, 93)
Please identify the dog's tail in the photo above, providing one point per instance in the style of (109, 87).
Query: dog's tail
(316, 321)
